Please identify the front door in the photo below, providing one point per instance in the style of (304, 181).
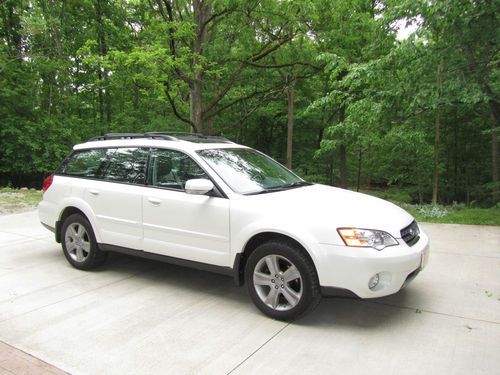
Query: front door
(181, 225)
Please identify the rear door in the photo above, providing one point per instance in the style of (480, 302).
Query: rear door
(181, 225)
(116, 196)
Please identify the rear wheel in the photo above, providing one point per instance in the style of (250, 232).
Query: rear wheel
(79, 244)
(282, 280)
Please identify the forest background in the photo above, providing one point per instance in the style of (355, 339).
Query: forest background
(324, 86)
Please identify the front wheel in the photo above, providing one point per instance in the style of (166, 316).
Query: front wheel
(282, 280)
(79, 244)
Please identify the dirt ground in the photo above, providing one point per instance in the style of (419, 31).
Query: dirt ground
(18, 200)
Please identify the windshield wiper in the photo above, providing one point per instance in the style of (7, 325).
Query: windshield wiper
(267, 190)
(297, 184)
(281, 188)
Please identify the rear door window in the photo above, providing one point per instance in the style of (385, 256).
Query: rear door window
(126, 165)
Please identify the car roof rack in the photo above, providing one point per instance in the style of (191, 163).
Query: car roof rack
(191, 137)
(166, 135)
(109, 136)
(171, 133)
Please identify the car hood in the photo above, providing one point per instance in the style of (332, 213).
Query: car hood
(321, 205)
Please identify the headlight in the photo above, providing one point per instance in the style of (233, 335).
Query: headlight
(358, 237)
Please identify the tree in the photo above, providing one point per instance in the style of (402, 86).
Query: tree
(323, 86)
(349, 41)
(254, 30)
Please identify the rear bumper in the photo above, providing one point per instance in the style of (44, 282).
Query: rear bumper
(52, 229)
(47, 213)
(350, 269)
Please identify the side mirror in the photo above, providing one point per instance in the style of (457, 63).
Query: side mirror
(198, 186)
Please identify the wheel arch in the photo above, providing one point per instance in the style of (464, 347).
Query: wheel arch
(255, 241)
(75, 208)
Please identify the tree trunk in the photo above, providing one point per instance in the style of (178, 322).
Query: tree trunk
(102, 74)
(321, 132)
(360, 160)
(435, 180)
(494, 158)
(456, 197)
(101, 104)
(135, 103)
(368, 177)
(289, 141)
(195, 104)
(343, 167)
(467, 185)
(61, 73)
(201, 13)
(109, 105)
(343, 155)
(331, 171)
(208, 125)
(12, 29)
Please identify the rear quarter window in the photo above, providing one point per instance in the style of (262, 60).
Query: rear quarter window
(85, 163)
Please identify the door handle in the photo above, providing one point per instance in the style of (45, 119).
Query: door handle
(94, 192)
(154, 201)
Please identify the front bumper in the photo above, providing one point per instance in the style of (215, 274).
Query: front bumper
(351, 268)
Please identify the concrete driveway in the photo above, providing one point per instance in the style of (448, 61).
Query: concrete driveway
(140, 317)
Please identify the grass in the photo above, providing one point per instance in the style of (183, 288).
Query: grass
(16, 200)
(451, 215)
(455, 214)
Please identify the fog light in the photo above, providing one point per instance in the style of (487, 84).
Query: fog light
(373, 282)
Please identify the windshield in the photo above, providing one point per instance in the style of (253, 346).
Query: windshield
(247, 171)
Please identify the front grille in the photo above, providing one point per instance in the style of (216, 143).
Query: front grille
(410, 234)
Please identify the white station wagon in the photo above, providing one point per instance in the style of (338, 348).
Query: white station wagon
(211, 204)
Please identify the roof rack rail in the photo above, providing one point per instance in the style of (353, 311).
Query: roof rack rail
(109, 136)
(116, 136)
(167, 135)
(172, 133)
(184, 136)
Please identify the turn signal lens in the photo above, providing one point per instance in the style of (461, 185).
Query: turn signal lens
(358, 237)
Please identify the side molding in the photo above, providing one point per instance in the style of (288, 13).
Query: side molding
(227, 271)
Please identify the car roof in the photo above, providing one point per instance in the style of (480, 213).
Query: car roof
(179, 144)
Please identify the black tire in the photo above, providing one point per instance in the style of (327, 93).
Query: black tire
(79, 243)
(306, 288)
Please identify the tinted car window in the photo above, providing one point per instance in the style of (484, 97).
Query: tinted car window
(171, 169)
(84, 163)
(126, 165)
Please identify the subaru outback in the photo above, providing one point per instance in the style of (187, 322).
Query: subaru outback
(211, 204)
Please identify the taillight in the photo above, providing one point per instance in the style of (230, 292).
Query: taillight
(47, 182)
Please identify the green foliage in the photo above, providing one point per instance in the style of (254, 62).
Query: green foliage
(393, 194)
(390, 102)
(365, 103)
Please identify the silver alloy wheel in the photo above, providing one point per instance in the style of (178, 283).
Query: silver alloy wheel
(277, 282)
(77, 242)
